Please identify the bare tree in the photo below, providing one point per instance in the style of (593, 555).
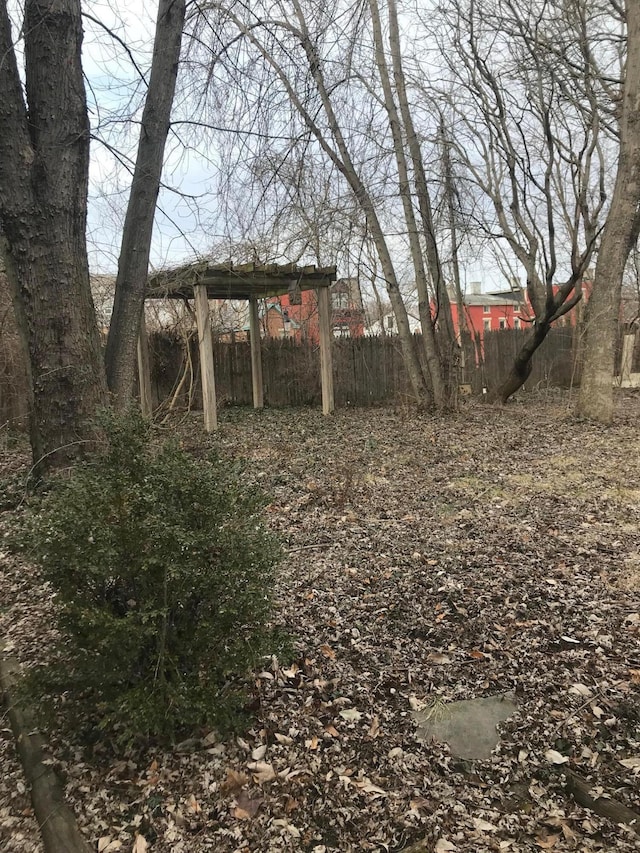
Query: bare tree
(331, 64)
(133, 262)
(530, 134)
(618, 239)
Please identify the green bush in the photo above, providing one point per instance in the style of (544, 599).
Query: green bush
(163, 572)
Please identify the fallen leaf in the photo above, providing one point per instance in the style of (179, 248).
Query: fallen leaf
(369, 788)
(435, 657)
(291, 805)
(262, 772)
(374, 728)
(444, 846)
(332, 730)
(259, 752)
(139, 845)
(246, 807)
(350, 714)
(476, 654)
(547, 842)
(234, 781)
(581, 690)
(193, 805)
(631, 764)
(327, 651)
(284, 739)
(108, 844)
(555, 757)
(484, 825)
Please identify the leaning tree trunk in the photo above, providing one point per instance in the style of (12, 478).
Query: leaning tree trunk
(133, 264)
(522, 365)
(44, 161)
(619, 236)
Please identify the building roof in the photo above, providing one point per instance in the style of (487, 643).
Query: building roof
(508, 298)
(237, 281)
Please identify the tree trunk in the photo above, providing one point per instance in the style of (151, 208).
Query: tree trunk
(521, 369)
(432, 359)
(619, 236)
(138, 227)
(44, 158)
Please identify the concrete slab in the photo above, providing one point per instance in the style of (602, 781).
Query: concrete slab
(468, 727)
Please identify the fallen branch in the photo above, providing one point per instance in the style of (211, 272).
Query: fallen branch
(581, 791)
(57, 823)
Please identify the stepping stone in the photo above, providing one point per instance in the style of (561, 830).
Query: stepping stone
(468, 727)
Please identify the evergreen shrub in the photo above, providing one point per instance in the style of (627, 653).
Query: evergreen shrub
(163, 572)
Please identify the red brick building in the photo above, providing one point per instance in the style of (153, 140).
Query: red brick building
(506, 309)
(282, 319)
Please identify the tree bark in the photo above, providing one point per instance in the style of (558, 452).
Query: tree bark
(44, 160)
(620, 235)
(521, 368)
(138, 227)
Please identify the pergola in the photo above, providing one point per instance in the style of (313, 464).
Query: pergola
(204, 281)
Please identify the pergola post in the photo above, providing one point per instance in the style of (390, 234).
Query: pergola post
(628, 342)
(144, 370)
(326, 365)
(256, 354)
(205, 347)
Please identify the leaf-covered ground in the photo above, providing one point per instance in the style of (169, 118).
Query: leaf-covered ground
(425, 559)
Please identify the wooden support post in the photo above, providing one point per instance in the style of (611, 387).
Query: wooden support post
(205, 346)
(256, 355)
(628, 342)
(326, 365)
(144, 371)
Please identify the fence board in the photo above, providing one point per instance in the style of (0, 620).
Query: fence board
(366, 370)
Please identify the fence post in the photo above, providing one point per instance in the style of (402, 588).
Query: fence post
(205, 344)
(256, 355)
(326, 366)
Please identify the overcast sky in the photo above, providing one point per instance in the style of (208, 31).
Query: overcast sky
(185, 227)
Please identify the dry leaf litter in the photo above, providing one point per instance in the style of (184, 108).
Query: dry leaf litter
(426, 560)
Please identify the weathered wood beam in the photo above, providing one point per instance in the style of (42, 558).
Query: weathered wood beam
(256, 355)
(57, 823)
(326, 364)
(205, 346)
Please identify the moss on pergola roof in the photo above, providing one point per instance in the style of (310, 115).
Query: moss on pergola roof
(241, 281)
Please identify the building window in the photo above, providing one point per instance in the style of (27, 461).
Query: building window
(487, 325)
(390, 320)
(503, 323)
(340, 299)
(486, 309)
(516, 323)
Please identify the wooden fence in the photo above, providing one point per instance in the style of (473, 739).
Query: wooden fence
(366, 370)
